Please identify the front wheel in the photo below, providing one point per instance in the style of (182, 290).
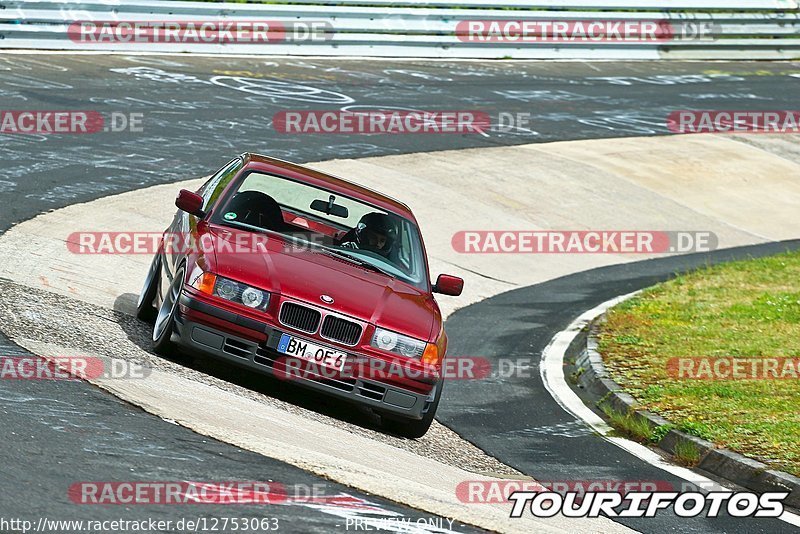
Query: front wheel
(413, 428)
(165, 320)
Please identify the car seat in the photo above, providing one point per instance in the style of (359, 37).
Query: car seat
(257, 209)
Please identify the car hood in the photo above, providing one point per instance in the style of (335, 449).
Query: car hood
(307, 273)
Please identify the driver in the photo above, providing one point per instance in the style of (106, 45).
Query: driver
(375, 232)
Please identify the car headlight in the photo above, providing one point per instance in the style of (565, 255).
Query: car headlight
(241, 293)
(397, 343)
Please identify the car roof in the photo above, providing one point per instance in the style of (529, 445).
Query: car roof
(326, 181)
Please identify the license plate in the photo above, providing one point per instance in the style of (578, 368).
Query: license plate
(306, 350)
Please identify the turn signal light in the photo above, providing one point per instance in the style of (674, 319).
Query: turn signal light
(431, 354)
(205, 283)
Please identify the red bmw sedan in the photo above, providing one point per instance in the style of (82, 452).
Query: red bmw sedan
(307, 277)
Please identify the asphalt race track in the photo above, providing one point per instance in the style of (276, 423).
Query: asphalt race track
(57, 433)
(197, 112)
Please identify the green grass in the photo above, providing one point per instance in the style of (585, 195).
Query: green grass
(687, 453)
(630, 425)
(747, 309)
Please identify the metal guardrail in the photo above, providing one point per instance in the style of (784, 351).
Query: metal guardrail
(727, 29)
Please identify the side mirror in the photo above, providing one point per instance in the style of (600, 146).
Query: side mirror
(449, 285)
(190, 203)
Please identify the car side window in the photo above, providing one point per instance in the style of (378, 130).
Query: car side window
(217, 184)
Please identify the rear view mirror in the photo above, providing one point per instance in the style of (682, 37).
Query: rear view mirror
(190, 203)
(330, 208)
(449, 285)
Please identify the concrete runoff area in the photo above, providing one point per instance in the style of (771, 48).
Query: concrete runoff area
(641, 183)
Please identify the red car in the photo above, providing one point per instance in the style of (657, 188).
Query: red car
(295, 273)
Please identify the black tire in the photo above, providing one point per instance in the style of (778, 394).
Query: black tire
(413, 428)
(145, 310)
(165, 319)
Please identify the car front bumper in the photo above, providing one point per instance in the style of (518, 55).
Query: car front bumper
(214, 338)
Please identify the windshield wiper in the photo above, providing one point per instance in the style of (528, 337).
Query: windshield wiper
(356, 261)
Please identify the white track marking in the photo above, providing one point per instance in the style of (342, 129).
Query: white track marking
(552, 373)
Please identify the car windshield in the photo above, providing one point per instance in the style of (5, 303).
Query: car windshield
(343, 227)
